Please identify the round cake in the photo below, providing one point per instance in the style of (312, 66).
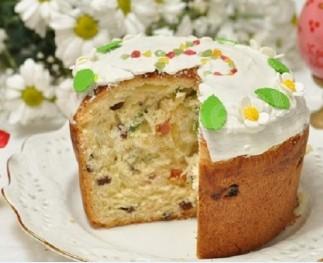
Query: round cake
(176, 127)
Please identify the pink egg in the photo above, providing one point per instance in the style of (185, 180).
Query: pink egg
(310, 35)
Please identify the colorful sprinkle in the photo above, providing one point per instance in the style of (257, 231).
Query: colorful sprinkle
(217, 53)
(125, 56)
(4, 138)
(178, 51)
(196, 42)
(109, 47)
(171, 54)
(147, 54)
(189, 52)
(273, 97)
(223, 40)
(206, 53)
(160, 66)
(135, 54)
(213, 113)
(83, 80)
(160, 53)
(277, 65)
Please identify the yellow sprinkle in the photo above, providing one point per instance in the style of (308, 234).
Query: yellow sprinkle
(164, 60)
(216, 53)
(183, 46)
(204, 61)
(251, 113)
(289, 84)
(147, 53)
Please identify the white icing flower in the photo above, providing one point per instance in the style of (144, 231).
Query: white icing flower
(29, 94)
(67, 99)
(289, 84)
(36, 14)
(254, 112)
(79, 31)
(3, 37)
(185, 28)
(170, 9)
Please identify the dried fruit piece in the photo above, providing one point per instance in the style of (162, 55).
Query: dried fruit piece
(104, 180)
(117, 106)
(232, 191)
(185, 205)
(177, 177)
(129, 209)
(163, 128)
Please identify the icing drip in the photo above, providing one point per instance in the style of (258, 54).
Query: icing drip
(252, 90)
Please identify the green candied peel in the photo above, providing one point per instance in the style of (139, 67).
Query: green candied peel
(110, 46)
(273, 97)
(83, 80)
(213, 113)
(277, 65)
(223, 40)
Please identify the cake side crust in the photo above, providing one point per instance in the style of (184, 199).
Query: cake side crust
(246, 201)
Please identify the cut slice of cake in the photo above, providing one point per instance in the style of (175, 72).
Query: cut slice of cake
(170, 128)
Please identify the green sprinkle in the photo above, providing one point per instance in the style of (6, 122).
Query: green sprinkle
(277, 65)
(213, 113)
(178, 51)
(109, 47)
(83, 80)
(189, 43)
(273, 97)
(160, 66)
(160, 53)
(206, 53)
(223, 40)
(125, 56)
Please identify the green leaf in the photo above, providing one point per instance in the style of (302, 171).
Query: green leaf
(223, 40)
(277, 65)
(109, 47)
(273, 97)
(83, 80)
(213, 113)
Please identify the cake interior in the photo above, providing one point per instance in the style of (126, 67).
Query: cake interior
(140, 151)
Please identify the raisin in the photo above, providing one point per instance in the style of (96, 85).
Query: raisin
(104, 180)
(128, 209)
(163, 128)
(167, 216)
(186, 205)
(176, 177)
(232, 191)
(117, 106)
(89, 169)
(123, 131)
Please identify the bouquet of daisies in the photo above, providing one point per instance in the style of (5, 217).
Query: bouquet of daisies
(41, 39)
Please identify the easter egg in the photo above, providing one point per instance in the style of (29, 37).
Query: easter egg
(310, 36)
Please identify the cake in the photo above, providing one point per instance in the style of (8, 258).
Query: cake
(176, 127)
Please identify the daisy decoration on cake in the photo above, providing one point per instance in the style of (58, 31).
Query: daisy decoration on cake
(254, 112)
(289, 84)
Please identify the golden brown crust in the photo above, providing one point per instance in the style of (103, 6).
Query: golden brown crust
(258, 205)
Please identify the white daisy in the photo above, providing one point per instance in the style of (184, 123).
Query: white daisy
(170, 9)
(36, 14)
(254, 112)
(3, 37)
(289, 84)
(29, 94)
(185, 28)
(136, 15)
(79, 31)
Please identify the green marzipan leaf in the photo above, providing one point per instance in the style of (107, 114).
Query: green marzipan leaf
(109, 47)
(83, 80)
(213, 113)
(273, 97)
(277, 65)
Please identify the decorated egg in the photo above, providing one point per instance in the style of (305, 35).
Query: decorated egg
(310, 36)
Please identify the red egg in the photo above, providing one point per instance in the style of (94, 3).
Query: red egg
(310, 36)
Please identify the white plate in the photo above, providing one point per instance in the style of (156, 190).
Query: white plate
(44, 193)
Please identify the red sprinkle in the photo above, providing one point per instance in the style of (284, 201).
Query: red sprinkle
(234, 70)
(196, 42)
(217, 73)
(4, 138)
(189, 52)
(135, 54)
(171, 54)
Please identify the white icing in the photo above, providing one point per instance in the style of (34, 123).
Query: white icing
(235, 139)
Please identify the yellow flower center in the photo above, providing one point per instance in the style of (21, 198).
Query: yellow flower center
(86, 27)
(125, 6)
(32, 97)
(160, 1)
(251, 113)
(289, 84)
